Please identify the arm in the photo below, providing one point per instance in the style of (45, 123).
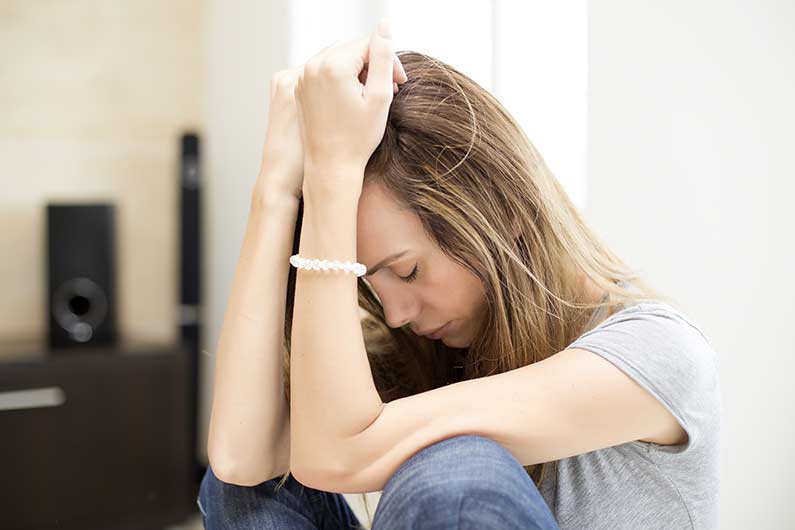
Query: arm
(568, 404)
(248, 439)
(342, 121)
(333, 395)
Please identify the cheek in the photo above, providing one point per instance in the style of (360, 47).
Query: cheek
(471, 295)
(456, 293)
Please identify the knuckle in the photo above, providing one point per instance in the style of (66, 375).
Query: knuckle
(328, 68)
(273, 81)
(381, 96)
(282, 83)
(312, 69)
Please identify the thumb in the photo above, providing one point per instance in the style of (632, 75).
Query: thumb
(381, 62)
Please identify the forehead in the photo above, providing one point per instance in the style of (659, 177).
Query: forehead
(382, 227)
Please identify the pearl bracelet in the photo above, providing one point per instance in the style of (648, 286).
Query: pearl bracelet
(324, 265)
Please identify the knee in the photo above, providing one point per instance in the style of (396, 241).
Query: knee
(216, 495)
(456, 468)
(213, 492)
(208, 483)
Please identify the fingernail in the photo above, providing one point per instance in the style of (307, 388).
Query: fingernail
(384, 28)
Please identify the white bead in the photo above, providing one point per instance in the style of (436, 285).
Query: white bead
(326, 265)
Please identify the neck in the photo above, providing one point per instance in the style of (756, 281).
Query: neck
(592, 294)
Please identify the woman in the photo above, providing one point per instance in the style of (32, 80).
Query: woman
(560, 391)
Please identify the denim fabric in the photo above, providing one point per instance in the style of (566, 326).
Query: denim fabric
(465, 482)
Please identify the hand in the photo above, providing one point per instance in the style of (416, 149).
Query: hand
(282, 166)
(341, 120)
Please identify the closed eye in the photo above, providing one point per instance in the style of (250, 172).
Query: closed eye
(411, 277)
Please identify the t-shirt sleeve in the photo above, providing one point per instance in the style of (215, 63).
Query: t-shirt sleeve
(666, 354)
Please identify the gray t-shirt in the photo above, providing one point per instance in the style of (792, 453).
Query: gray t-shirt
(639, 485)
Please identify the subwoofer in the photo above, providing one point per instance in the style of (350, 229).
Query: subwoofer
(81, 270)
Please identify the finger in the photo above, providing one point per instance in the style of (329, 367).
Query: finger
(399, 74)
(299, 112)
(359, 52)
(351, 55)
(380, 62)
(394, 88)
(293, 73)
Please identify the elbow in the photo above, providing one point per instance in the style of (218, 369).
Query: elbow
(239, 475)
(324, 479)
(323, 470)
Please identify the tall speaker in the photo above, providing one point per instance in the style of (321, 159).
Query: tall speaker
(81, 275)
(190, 271)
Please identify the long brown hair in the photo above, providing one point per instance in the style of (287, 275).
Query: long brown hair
(453, 155)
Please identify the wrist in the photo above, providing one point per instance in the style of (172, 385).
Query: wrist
(329, 184)
(271, 197)
(282, 180)
(279, 177)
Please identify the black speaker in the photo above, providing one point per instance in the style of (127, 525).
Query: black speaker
(81, 270)
(190, 271)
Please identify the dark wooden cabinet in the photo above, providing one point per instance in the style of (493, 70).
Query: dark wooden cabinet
(100, 438)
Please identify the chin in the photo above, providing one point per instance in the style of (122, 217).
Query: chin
(452, 342)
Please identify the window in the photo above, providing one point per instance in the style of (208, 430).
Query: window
(532, 55)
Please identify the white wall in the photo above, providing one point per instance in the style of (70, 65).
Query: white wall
(245, 43)
(691, 177)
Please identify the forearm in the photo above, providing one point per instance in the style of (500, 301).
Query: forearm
(249, 411)
(333, 395)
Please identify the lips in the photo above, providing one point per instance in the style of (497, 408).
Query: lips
(436, 334)
(431, 332)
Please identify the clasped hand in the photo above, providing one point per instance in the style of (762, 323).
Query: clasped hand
(343, 96)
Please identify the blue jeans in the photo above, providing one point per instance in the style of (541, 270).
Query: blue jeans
(464, 482)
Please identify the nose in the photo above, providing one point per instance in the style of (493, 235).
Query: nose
(395, 322)
(399, 310)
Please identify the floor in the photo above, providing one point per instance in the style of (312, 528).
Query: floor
(194, 523)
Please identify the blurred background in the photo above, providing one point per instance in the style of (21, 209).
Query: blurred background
(130, 137)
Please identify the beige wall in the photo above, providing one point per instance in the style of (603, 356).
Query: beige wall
(93, 98)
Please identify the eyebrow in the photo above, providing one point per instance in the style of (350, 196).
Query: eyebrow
(384, 262)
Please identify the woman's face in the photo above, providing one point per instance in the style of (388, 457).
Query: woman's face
(433, 291)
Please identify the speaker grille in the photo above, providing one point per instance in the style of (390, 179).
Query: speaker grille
(81, 274)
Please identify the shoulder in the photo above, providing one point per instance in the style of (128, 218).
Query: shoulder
(665, 352)
(666, 331)
(649, 320)
(659, 346)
